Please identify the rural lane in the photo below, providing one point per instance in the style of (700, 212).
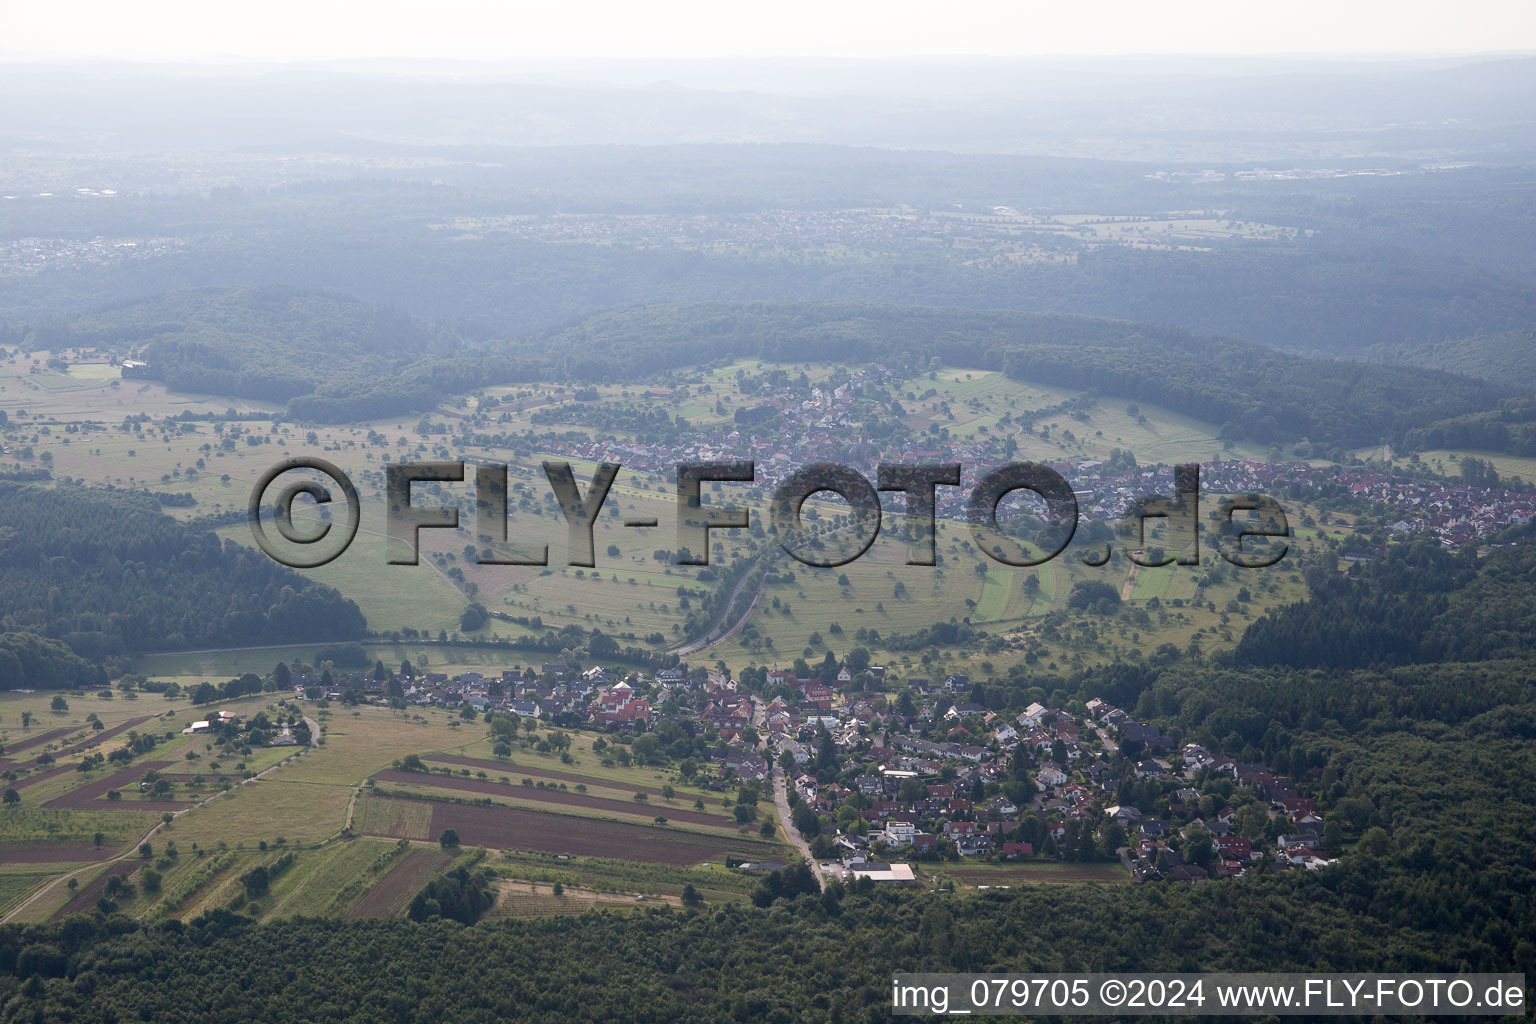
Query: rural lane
(781, 802)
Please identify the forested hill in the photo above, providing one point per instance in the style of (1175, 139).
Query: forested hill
(1413, 604)
(1508, 358)
(29, 661)
(272, 344)
(108, 573)
(1253, 390)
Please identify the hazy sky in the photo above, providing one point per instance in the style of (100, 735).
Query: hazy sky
(488, 29)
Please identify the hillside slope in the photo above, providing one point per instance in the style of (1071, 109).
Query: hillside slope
(1253, 391)
(1507, 359)
(270, 344)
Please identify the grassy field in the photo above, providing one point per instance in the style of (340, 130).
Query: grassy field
(267, 810)
(330, 881)
(397, 877)
(391, 597)
(452, 659)
(15, 887)
(996, 594)
(409, 819)
(622, 879)
(535, 899)
(112, 711)
(1449, 462)
(360, 741)
(969, 403)
(1042, 872)
(634, 811)
(589, 764)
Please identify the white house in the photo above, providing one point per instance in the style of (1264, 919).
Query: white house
(1050, 775)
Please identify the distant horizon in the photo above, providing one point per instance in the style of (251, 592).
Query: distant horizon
(387, 60)
(493, 30)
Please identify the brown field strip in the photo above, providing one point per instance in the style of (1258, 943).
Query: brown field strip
(554, 796)
(401, 883)
(87, 897)
(514, 828)
(106, 734)
(86, 796)
(85, 744)
(32, 741)
(536, 772)
(54, 853)
(34, 779)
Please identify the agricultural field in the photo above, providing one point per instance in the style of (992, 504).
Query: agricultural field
(343, 807)
(306, 803)
(404, 819)
(184, 667)
(625, 878)
(1000, 875)
(535, 899)
(587, 768)
(16, 886)
(1025, 607)
(392, 893)
(514, 828)
(356, 742)
(578, 805)
(86, 897)
(562, 801)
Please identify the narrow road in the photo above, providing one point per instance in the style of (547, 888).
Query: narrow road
(781, 794)
(236, 650)
(720, 631)
(1130, 582)
(781, 802)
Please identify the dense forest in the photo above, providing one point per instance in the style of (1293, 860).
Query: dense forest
(1507, 358)
(827, 957)
(108, 573)
(1413, 603)
(29, 661)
